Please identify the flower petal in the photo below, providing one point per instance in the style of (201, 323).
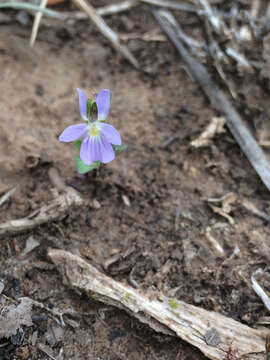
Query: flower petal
(85, 152)
(95, 149)
(73, 132)
(106, 151)
(82, 104)
(111, 134)
(103, 103)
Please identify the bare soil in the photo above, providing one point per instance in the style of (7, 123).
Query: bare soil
(151, 199)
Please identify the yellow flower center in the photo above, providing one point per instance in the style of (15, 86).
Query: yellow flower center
(94, 130)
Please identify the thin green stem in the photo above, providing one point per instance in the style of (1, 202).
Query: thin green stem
(27, 6)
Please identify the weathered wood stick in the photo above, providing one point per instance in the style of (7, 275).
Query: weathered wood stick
(218, 99)
(212, 333)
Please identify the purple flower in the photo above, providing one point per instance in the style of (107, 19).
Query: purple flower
(96, 145)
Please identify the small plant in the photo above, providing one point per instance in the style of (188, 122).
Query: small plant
(173, 304)
(95, 297)
(101, 141)
(127, 296)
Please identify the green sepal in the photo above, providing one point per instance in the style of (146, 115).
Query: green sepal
(119, 148)
(78, 144)
(93, 111)
(82, 168)
(110, 96)
(88, 108)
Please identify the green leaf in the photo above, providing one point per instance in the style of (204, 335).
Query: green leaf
(82, 168)
(119, 148)
(78, 144)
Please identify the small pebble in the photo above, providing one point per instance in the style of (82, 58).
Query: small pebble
(96, 204)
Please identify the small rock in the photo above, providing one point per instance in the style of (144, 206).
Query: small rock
(126, 200)
(96, 204)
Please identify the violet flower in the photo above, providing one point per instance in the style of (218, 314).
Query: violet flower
(99, 136)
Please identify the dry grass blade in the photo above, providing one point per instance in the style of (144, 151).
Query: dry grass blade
(259, 290)
(169, 316)
(218, 99)
(116, 8)
(212, 16)
(106, 31)
(7, 195)
(102, 11)
(252, 208)
(171, 5)
(36, 23)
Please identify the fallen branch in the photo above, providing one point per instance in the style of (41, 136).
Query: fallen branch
(177, 318)
(218, 99)
(106, 30)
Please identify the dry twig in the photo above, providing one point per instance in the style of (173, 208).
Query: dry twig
(171, 5)
(36, 23)
(102, 11)
(7, 195)
(165, 315)
(252, 208)
(212, 16)
(259, 290)
(116, 8)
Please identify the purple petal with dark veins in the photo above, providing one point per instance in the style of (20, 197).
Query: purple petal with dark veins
(73, 132)
(95, 149)
(85, 151)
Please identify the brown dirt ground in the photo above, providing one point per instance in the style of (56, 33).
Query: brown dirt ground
(38, 101)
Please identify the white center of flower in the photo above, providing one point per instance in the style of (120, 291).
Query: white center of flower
(94, 129)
